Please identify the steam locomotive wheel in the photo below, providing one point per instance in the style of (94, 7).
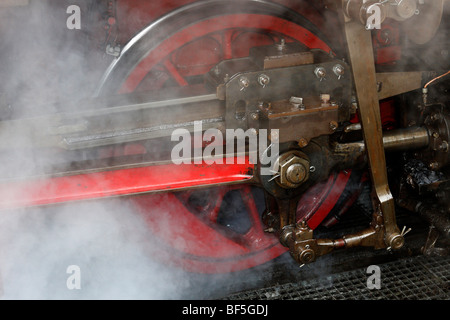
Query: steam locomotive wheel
(216, 230)
(219, 229)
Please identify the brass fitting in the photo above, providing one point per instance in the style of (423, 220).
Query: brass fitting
(293, 169)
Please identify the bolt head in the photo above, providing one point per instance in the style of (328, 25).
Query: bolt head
(339, 70)
(254, 116)
(306, 256)
(263, 80)
(296, 173)
(281, 46)
(292, 170)
(302, 142)
(397, 242)
(320, 72)
(244, 82)
(333, 125)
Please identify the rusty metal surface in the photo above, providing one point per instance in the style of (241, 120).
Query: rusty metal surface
(300, 123)
(281, 55)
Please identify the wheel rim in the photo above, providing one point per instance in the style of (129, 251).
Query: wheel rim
(325, 202)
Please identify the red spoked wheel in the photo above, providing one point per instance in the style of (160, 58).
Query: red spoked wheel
(180, 47)
(195, 50)
(219, 229)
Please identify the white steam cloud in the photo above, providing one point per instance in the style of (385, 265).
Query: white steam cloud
(43, 62)
(106, 240)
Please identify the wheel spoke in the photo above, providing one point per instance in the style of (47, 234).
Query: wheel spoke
(227, 39)
(255, 238)
(174, 72)
(214, 213)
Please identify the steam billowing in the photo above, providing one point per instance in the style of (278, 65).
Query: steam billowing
(41, 62)
(106, 241)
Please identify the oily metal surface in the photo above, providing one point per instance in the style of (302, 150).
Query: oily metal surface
(362, 61)
(418, 278)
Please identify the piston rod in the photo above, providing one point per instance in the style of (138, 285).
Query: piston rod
(406, 139)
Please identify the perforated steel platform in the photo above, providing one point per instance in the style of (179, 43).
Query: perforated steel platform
(419, 278)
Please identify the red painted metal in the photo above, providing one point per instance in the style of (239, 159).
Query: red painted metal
(386, 43)
(388, 114)
(183, 236)
(196, 244)
(144, 12)
(319, 200)
(175, 74)
(203, 28)
(350, 200)
(119, 182)
(196, 241)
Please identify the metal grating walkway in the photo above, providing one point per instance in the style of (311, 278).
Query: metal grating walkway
(417, 278)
